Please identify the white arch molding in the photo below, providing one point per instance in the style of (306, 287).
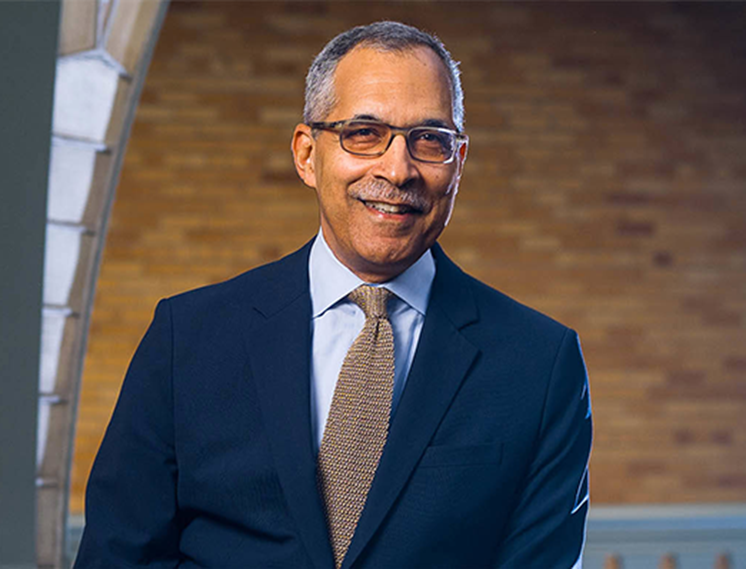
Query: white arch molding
(105, 47)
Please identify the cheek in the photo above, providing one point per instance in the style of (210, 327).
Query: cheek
(331, 185)
(444, 205)
(445, 195)
(339, 168)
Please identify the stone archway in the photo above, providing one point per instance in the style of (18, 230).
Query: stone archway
(105, 47)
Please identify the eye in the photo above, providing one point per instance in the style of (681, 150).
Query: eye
(429, 136)
(432, 140)
(361, 131)
(363, 135)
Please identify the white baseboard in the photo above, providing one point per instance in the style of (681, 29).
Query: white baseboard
(641, 535)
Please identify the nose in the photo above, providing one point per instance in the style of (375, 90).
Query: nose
(396, 165)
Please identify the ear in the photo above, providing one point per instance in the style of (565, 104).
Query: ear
(303, 146)
(460, 159)
(461, 156)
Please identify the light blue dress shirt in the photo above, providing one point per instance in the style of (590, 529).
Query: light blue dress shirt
(337, 321)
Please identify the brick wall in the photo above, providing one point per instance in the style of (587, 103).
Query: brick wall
(605, 185)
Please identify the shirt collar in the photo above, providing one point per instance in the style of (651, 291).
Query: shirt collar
(331, 281)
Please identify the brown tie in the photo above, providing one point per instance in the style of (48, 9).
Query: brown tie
(358, 421)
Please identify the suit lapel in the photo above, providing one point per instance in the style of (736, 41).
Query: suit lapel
(442, 360)
(279, 354)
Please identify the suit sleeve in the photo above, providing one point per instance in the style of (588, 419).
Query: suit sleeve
(547, 527)
(131, 505)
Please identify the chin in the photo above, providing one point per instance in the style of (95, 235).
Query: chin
(383, 258)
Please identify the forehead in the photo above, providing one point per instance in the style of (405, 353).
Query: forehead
(399, 87)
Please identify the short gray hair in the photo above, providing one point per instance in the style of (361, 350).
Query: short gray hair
(383, 36)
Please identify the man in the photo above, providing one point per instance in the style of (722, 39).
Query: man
(291, 417)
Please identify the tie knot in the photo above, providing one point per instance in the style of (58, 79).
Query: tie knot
(372, 300)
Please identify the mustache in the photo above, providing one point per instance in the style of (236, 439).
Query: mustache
(383, 191)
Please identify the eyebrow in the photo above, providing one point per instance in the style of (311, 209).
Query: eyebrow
(437, 123)
(427, 122)
(364, 117)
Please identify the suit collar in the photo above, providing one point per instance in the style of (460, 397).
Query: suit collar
(282, 282)
(452, 292)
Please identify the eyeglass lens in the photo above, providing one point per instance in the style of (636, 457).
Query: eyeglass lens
(372, 139)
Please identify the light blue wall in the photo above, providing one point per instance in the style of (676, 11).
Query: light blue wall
(641, 535)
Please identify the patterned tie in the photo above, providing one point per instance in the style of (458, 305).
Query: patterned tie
(358, 421)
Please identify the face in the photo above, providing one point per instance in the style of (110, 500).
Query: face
(379, 215)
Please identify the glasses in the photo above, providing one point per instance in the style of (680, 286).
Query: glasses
(430, 144)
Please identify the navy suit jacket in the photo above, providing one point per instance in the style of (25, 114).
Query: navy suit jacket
(209, 461)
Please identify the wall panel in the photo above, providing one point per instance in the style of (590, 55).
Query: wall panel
(604, 185)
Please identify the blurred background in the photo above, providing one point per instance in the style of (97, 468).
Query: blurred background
(605, 186)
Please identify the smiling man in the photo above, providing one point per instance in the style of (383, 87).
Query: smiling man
(383, 199)
(361, 402)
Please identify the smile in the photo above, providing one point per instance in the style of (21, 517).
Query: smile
(384, 207)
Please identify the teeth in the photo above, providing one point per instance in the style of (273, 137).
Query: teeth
(388, 208)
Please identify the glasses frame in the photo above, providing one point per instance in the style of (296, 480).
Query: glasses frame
(338, 127)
